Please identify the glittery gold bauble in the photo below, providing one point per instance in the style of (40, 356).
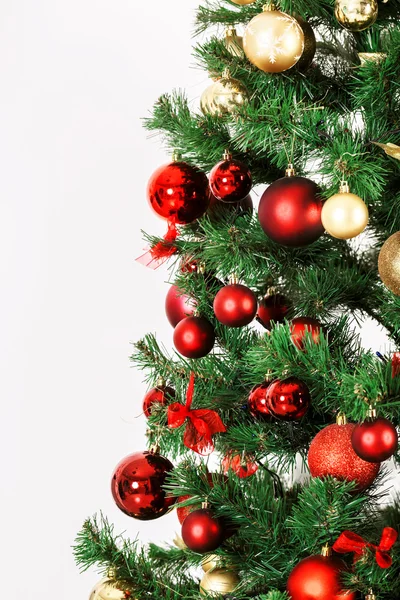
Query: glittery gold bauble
(310, 45)
(273, 41)
(233, 42)
(356, 15)
(344, 215)
(218, 582)
(389, 263)
(106, 590)
(225, 96)
(243, 2)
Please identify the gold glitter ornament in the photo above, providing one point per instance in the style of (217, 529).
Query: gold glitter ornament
(344, 215)
(225, 96)
(356, 15)
(233, 42)
(273, 41)
(389, 263)
(218, 582)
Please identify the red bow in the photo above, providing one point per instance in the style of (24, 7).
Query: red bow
(201, 424)
(159, 253)
(351, 542)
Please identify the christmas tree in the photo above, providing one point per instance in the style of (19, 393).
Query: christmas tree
(268, 373)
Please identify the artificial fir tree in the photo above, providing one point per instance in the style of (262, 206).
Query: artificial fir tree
(313, 89)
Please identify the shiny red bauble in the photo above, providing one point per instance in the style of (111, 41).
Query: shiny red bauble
(157, 395)
(290, 212)
(202, 531)
(194, 337)
(318, 578)
(178, 305)
(243, 466)
(288, 399)
(273, 308)
(331, 454)
(137, 483)
(178, 192)
(230, 180)
(235, 305)
(302, 326)
(375, 440)
(257, 402)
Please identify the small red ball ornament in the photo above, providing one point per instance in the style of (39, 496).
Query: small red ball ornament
(137, 483)
(178, 305)
(157, 395)
(288, 399)
(257, 403)
(331, 454)
(230, 180)
(235, 305)
(242, 465)
(375, 440)
(178, 192)
(194, 337)
(202, 531)
(273, 308)
(290, 211)
(299, 329)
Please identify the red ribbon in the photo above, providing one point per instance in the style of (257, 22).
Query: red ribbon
(351, 542)
(201, 424)
(395, 364)
(161, 251)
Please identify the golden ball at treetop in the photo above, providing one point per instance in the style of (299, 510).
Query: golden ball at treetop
(344, 215)
(225, 96)
(389, 263)
(219, 582)
(106, 590)
(273, 41)
(356, 15)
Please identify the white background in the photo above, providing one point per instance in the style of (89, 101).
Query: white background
(76, 78)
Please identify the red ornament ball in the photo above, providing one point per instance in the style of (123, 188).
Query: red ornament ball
(331, 453)
(137, 483)
(157, 395)
(318, 578)
(194, 337)
(178, 192)
(290, 212)
(288, 399)
(257, 402)
(230, 180)
(202, 531)
(375, 440)
(299, 329)
(178, 305)
(235, 305)
(272, 309)
(242, 466)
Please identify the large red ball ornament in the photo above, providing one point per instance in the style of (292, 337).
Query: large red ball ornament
(331, 454)
(288, 399)
(299, 329)
(272, 309)
(202, 531)
(194, 337)
(230, 180)
(235, 305)
(137, 483)
(178, 305)
(375, 440)
(178, 192)
(290, 212)
(318, 578)
(257, 402)
(158, 395)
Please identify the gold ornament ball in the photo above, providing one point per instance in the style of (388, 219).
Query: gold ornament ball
(105, 590)
(243, 2)
(219, 582)
(273, 41)
(233, 42)
(356, 15)
(344, 215)
(225, 96)
(210, 562)
(389, 263)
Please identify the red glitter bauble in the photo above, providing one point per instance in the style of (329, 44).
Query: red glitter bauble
(202, 531)
(194, 337)
(178, 192)
(318, 578)
(157, 395)
(288, 399)
(331, 453)
(272, 309)
(257, 402)
(243, 466)
(230, 180)
(235, 305)
(178, 305)
(137, 483)
(290, 211)
(300, 327)
(375, 440)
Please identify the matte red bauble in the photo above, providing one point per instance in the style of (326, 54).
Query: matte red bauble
(288, 399)
(300, 327)
(331, 453)
(178, 305)
(137, 483)
(290, 212)
(194, 337)
(202, 531)
(230, 180)
(318, 578)
(375, 440)
(272, 309)
(235, 305)
(243, 466)
(157, 395)
(178, 192)
(257, 403)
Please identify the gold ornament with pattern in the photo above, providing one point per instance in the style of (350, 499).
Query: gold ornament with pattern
(273, 41)
(219, 582)
(233, 42)
(356, 15)
(344, 215)
(225, 96)
(389, 263)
